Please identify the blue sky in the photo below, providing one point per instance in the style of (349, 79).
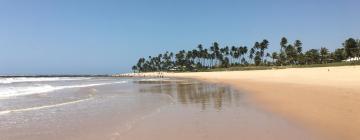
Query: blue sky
(108, 36)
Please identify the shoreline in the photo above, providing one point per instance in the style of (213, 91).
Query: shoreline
(323, 99)
(142, 109)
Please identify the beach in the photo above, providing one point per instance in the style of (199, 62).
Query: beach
(280, 104)
(326, 100)
(179, 70)
(113, 108)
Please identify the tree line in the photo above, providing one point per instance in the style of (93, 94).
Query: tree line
(215, 56)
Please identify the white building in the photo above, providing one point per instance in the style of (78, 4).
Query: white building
(352, 59)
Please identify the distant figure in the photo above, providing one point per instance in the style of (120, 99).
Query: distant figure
(328, 70)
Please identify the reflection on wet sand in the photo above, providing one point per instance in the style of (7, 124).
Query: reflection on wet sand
(193, 92)
(205, 111)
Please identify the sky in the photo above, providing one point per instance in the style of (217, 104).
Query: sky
(108, 36)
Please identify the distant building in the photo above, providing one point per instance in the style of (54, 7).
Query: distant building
(174, 69)
(352, 59)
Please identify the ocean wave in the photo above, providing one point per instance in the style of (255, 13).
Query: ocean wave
(38, 79)
(6, 92)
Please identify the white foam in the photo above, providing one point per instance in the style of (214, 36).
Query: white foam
(38, 79)
(6, 92)
(42, 107)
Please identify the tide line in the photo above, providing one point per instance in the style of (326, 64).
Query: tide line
(43, 107)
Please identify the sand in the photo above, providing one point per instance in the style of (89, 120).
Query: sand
(144, 109)
(326, 100)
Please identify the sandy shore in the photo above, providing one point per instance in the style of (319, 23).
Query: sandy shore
(326, 100)
(143, 109)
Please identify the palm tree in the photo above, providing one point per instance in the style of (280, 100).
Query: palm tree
(200, 47)
(274, 56)
(242, 53)
(217, 52)
(283, 43)
(257, 58)
(140, 64)
(226, 62)
(282, 58)
(312, 56)
(201, 57)
(134, 68)
(226, 50)
(252, 51)
(237, 54)
(223, 54)
(232, 53)
(212, 57)
(167, 61)
(258, 52)
(206, 57)
(339, 54)
(263, 46)
(200, 54)
(226, 54)
(324, 52)
(351, 48)
(243, 61)
(298, 48)
(195, 55)
(291, 53)
(190, 56)
(180, 60)
(189, 60)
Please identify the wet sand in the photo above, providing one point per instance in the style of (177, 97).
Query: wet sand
(324, 100)
(150, 109)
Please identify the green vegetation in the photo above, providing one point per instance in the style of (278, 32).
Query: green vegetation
(242, 68)
(216, 58)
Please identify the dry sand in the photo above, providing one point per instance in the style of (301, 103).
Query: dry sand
(326, 99)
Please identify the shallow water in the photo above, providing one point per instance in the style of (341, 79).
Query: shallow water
(129, 109)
